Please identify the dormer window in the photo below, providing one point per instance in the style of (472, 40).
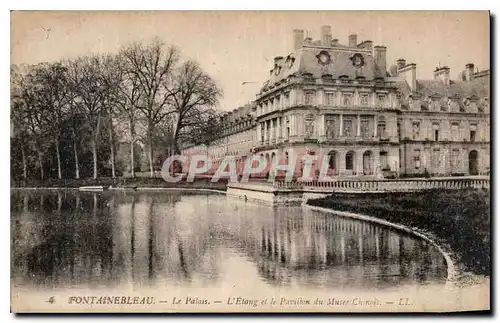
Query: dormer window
(327, 77)
(307, 76)
(323, 58)
(277, 70)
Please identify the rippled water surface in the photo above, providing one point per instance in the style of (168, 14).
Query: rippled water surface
(172, 240)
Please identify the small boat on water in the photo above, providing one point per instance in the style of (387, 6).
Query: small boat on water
(91, 188)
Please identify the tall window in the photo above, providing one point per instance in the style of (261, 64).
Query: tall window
(416, 130)
(381, 98)
(349, 161)
(286, 100)
(435, 129)
(309, 126)
(262, 132)
(330, 128)
(363, 100)
(347, 128)
(332, 161)
(347, 99)
(473, 135)
(309, 98)
(416, 158)
(454, 131)
(365, 128)
(436, 157)
(473, 129)
(330, 99)
(381, 130)
(384, 163)
(455, 158)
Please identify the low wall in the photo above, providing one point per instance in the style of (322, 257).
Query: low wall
(387, 185)
(265, 193)
(296, 192)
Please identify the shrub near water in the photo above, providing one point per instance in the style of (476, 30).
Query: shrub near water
(460, 218)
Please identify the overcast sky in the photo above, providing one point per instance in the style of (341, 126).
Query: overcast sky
(237, 47)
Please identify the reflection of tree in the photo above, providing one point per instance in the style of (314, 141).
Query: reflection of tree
(137, 237)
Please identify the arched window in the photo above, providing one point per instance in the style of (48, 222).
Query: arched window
(332, 159)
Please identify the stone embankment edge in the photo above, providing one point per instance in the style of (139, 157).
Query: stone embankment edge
(124, 189)
(451, 269)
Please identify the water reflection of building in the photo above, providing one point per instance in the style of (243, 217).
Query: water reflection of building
(140, 239)
(328, 250)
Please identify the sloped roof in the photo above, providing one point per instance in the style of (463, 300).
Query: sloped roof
(462, 89)
(305, 61)
(478, 87)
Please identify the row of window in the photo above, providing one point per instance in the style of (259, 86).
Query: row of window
(438, 160)
(236, 127)
(448, 105)
(331, 99)
(436, 135)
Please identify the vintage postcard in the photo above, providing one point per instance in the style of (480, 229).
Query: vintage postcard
(239, 161)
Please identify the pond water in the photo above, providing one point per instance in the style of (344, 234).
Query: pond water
(168, 240)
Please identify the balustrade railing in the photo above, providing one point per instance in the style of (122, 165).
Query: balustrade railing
(387, 184)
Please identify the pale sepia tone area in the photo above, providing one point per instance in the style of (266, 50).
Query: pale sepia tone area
(393, 108)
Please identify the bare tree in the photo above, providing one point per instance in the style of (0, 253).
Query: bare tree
(54, 96)
(30, 99)
(111, 74)
(128, 104)
(194, 94)
(208, 131)
(93, 87)
(18, 115)
(150, 67)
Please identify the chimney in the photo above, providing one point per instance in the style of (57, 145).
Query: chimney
(469, 71)
(409, 73)
(380, 60)
(298, 38)
(367, 44)
(335, 42)
(326, 35)
(400, 63)
(443, 73)
(353, 40)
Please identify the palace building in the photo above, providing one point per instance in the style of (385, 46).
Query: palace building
(343, 104)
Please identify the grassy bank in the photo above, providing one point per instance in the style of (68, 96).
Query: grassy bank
(122, 182)
(459, 219)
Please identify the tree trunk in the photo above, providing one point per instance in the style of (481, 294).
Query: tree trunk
(132, 151)
(111, 146)
(94, 156)
(58, 153)
(75, 152)
(25, 166)
(40, 164)
(150, 152)
(77, 167)
(94, 145)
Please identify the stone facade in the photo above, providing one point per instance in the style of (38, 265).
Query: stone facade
(340, 104)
